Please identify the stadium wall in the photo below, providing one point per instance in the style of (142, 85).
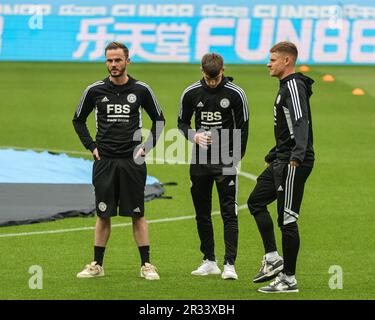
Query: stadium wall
(332, 32)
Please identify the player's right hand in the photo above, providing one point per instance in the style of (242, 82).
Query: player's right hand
(203, 139)
(95, 154)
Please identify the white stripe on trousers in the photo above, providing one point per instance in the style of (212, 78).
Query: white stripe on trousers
(289, 184)
(235, 199)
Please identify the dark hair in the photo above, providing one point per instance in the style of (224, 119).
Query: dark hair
(117, 45)
(212, 63)
(286, 47)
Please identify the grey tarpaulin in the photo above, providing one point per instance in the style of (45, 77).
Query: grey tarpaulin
(31, 203)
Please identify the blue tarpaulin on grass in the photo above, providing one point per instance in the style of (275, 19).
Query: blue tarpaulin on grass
(41, 186)
(44, 167)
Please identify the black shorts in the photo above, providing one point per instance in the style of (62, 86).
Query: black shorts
(119, 183)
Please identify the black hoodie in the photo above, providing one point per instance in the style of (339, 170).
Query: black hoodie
(223, 107)
(292, 121)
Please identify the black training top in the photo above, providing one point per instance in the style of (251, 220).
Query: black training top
(118, 112)
(215, 109)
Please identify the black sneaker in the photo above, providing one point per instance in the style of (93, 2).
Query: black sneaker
(269, 269)
(280, 285)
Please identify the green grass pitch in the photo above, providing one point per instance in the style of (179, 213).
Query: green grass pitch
(336, 223)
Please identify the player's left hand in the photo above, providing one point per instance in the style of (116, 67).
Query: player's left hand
(140, 153)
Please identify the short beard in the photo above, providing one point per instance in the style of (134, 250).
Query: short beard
(120, 74)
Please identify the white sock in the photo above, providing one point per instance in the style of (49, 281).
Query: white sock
(272, 256)
(290, 279)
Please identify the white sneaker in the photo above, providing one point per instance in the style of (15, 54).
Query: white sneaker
(91, 270)
(207, 267)
(229, 272)
(269, 269)
(148, 271)
(280, 285)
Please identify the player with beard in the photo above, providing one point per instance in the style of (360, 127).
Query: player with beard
(119, 170)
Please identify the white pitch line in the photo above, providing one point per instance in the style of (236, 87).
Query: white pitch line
(241, 207)
(248, 175)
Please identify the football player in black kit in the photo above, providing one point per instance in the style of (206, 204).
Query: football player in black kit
(221, 116)
(119, 171)
(289, 164)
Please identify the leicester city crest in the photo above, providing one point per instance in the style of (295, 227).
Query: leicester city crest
(102, 206)
(132, 98)
(224, 103)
